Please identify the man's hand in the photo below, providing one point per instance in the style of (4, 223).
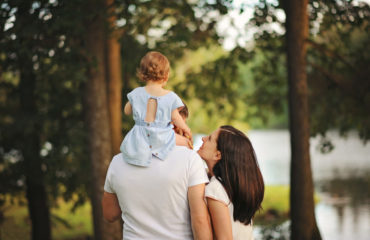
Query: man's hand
(111, 208)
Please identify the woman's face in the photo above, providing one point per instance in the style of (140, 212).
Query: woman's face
(208, 151)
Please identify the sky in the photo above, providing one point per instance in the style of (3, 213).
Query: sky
(233, 27)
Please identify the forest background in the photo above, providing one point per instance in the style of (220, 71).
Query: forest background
(66, 67)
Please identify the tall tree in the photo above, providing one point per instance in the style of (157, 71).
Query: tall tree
(37, 198)
(338, 34)
(114, 77)
(27, 122)
(302, 212)
(97, 116)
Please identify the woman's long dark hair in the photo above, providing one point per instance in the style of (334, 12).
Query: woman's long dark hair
(239, 173)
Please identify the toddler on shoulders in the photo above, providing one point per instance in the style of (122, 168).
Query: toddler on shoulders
(154, 110)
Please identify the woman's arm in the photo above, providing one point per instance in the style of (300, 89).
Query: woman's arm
(221, 221)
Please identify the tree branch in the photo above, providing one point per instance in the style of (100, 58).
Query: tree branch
(340, 81)
(332, 54)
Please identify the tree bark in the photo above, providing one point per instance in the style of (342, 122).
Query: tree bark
(97, 119)
(38, 207)
(302, 210)
(36, 194)
(114, 79)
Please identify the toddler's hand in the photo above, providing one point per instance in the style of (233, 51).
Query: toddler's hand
(178, 131)
(183, 141)
(187, 134)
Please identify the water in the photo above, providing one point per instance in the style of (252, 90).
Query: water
(341, 178)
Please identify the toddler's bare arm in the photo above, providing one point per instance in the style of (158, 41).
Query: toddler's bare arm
(128, 108)
(179, 122)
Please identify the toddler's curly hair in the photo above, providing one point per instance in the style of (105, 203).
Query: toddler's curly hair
(154, 66)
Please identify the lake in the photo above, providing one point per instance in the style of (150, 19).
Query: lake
(341, 178)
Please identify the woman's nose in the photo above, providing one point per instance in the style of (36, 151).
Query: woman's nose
(203, 139)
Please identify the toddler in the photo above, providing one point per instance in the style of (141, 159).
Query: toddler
(154, 109)
(184, 113)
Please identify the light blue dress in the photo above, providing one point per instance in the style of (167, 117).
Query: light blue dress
(150, 138)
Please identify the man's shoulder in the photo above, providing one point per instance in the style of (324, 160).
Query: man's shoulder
(182, 151)
(178, 153)
(185, 155)
(118, 158)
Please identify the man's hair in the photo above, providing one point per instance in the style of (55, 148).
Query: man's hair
(239, 173)
(154, 66)
(184, 112)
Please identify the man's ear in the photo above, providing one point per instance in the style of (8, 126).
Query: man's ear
(164, 81)
(166, 77)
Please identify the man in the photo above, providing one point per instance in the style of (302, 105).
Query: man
(162, 201)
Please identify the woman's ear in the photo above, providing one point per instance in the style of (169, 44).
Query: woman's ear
(218, 155)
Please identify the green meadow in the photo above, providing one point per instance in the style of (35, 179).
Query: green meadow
(68, 224)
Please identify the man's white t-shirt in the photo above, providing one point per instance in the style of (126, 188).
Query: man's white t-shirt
(154, 199)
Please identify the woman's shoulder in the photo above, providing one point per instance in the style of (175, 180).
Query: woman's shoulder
(214, 183)
(216, 191)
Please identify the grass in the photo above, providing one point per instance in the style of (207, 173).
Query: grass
(65, 223)
(276, 197)
(275, 205)
(78, 225)
(69, 225)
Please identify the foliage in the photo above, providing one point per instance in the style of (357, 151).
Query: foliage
(218, 88)
(280, 231)
(185, 32)
(49, 46)
(337, 74)
(51, 50)
(245, 85)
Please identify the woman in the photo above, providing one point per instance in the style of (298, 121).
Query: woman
(236, 187)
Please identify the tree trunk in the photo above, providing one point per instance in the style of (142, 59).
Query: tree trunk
(114, 79)
(38, 207)
(97, 119)
(302, 210)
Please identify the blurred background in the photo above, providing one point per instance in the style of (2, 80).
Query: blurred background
(66, 67)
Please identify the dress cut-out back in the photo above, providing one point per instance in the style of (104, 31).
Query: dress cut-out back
(151, 110)
(152, 134)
